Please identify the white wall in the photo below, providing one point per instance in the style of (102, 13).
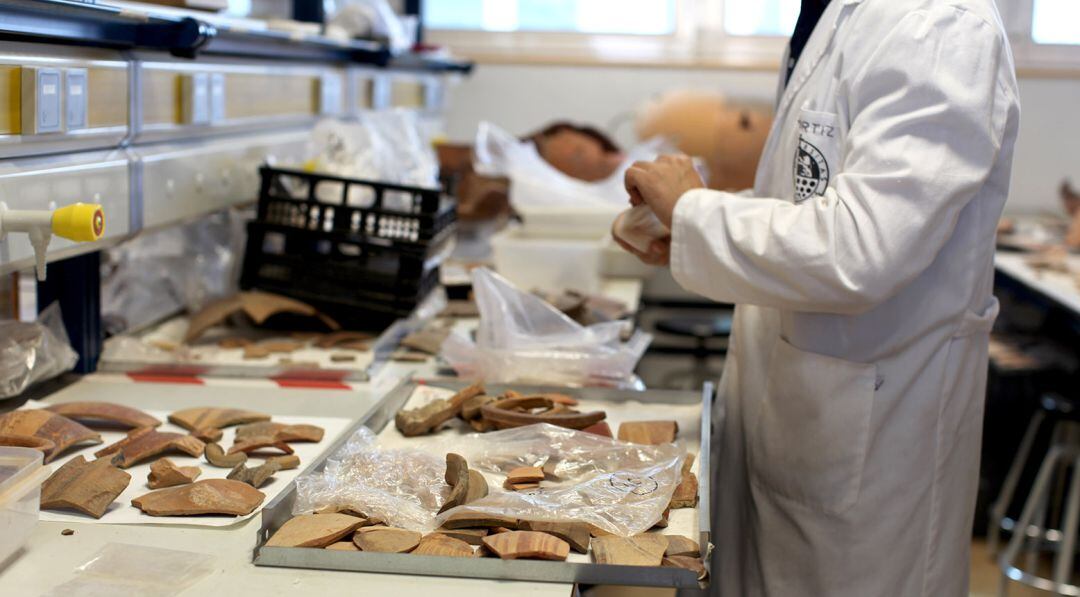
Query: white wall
(522, 98)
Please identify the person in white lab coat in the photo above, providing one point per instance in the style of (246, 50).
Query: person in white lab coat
(861, 265)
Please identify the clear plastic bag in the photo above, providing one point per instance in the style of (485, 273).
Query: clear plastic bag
(159, 273)
(404, 488)
(536, 183)
(621, 487)
(122, 570)
(639, 227)
(522, 338)
(33, 352)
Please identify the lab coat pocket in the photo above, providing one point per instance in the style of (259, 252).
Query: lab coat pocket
(817, 154)
(810, 440)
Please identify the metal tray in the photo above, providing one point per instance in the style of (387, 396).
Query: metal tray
(382, 348)
(279, 510)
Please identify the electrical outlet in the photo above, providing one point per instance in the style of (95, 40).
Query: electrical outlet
(330, 88)
(75, 98)
(41, 101)
(195, 98)
(217, 98)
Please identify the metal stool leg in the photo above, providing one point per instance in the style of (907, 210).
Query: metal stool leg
(1033, 504)
(1012, 479)
(1063, 562)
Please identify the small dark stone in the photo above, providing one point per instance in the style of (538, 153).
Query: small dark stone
(67, 532)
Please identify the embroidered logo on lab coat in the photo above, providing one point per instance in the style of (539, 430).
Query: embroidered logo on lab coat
(811, 171)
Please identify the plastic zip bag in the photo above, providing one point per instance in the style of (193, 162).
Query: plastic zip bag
(122, 570)
(620, 487)
(521, 338)
(639, 227)
(404, 488)
(33, 352)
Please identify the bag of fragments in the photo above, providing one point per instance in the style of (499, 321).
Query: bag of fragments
(33, 352)
(523, 339)
(620, 487)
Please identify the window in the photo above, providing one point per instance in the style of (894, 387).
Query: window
(1045, 34)
(760, 17)
(623, 17)
(1055, 22)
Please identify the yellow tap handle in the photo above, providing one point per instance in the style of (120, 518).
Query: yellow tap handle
(82, 222)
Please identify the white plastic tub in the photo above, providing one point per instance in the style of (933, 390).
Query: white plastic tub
(548, 264)
(21, 476)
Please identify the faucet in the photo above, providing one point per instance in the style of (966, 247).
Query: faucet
(81, 222)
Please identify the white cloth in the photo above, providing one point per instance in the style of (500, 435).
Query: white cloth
(862, 268)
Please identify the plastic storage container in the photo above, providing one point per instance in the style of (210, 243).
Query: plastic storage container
(548, 264)
(585, 222)
(364, 252)
(21, 476)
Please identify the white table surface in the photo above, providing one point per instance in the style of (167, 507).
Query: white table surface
(49, 558)
(1058, 287)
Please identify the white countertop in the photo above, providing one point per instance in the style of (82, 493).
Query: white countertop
(1058, 287)
(49, 558)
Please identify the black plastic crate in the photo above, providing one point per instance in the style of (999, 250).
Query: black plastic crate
(409, 218)
(364, 263)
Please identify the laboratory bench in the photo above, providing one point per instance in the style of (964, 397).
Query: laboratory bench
(32, 569)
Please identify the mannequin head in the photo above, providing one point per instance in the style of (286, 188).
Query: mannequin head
(578, 151)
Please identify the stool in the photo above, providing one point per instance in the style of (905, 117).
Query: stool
(1032, 531)
(702, 329)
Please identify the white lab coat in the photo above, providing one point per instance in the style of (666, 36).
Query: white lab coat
(862, 267)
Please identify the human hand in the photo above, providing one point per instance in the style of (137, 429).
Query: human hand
(661, 183)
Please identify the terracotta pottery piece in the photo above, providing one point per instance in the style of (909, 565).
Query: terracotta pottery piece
(694, 564)
(88, 487)
(208, 434)
(210, 496)
(386, 540)
(457, 477)
(478, 487)
(574, 533)
(258, 306)
(281, 432)
(649, 432)
(525, 474)
(146, 442)
(27, 441)
(335, 338)
(527, 545)
(255, 477)
(429, 417)
(343, 546)
(601, 428)
(470, 409)
(58, 429)
(640, 550)
(314, 530)
(216, 456)
(233, 342)
(686, 492)
(165, 473)
(438, 544)
(285, 463)
(515, 412)
(209, 416)
(95, 413)
(254, 444)
(465, 520)
(682, 546)
(470, 536)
